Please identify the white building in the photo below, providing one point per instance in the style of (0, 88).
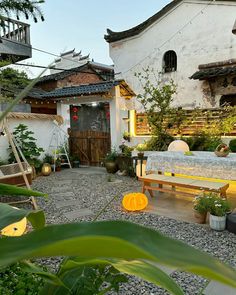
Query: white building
(174, 42)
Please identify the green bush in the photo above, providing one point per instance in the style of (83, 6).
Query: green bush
(14, 281)
(232, 145)
(159, 143)
(202, 142)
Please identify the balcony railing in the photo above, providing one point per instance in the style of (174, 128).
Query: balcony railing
(15, 31)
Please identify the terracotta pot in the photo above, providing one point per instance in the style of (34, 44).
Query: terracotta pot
(111, 167)
(200, 217)
(58, 168)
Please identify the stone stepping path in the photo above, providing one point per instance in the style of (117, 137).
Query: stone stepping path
(73, 215)
(215, 288)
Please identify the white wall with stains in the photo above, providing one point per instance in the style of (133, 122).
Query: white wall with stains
(198, 33)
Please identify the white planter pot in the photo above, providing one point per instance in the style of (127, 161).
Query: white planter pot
(217, 222)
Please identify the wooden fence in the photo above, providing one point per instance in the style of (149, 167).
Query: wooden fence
(194, 120)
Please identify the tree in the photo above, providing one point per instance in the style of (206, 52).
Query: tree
(11, 82)
(22, 7)
(156, 100)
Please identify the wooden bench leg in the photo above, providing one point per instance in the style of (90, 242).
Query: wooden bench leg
(160, 185)
(149, 190)
(223, 193)
(173, 187)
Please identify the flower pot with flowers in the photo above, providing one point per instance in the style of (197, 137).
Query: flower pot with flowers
(58, 164)
(222, 150)
(218, 208)
(201, 207)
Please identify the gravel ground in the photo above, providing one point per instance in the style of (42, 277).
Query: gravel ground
(93, 191)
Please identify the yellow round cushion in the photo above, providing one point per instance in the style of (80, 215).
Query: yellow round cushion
(15, 229)
(135, 201)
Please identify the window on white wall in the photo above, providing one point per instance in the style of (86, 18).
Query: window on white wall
(170, 61)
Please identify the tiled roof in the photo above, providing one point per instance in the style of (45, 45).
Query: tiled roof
(87, 89)
(63, 74)
(116, 36)
(213, 72)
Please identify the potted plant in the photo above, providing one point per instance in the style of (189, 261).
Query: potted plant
(218, 209)
(126, 136)
(141, 147)
(110, 161)
(201, 207)
(58, 164)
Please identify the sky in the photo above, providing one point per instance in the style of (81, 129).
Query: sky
(81, 24)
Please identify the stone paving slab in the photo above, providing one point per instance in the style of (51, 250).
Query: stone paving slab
(72, 215)
(215, 288)
(57, 188)
(62, 196)
(66, 203)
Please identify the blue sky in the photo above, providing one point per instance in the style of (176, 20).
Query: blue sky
(81, 24)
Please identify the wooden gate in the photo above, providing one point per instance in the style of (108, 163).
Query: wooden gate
(90, 146)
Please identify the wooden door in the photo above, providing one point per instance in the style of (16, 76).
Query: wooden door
(90, 146)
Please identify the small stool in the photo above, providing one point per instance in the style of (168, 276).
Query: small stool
(231, 223)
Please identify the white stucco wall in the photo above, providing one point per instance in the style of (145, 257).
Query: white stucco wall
(42, 129)
(208, 38)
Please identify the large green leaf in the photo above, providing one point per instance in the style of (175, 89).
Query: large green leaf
(9, 215)
(12, 190)
(116, 240)
(139, 268)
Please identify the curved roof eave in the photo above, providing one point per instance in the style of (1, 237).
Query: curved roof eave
(116, 36)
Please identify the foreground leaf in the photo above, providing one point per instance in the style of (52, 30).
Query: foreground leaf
(12, 190)
(141, 269)
(9, 215)
(114, 240)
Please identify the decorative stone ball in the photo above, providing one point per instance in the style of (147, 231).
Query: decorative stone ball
(135, 201)
(178, 146)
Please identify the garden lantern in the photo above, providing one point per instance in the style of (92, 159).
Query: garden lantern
(135, 201)
(178, 146)
(46, 169)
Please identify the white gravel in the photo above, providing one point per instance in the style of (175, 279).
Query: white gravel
(93, 191)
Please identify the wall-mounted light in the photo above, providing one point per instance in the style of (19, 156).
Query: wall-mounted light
(94, 104)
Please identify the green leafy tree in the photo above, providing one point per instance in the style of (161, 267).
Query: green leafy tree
(156, 100)
(22, 7)
(27, 144)
(11, 82)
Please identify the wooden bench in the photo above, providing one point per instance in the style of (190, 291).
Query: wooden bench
(201, 185)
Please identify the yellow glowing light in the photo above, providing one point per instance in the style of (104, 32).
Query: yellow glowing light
(15, 229)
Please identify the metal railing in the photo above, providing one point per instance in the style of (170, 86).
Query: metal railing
(14, 30)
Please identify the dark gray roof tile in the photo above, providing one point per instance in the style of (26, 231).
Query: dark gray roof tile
(87, 89)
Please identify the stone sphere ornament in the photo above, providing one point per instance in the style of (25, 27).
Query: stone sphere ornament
(178, 146)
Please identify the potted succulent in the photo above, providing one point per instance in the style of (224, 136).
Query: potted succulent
(110, 161)
(218, 209)
(201, 207)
